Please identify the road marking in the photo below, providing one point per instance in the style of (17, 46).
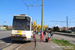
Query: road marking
(5, 46)
(19, 47)
(27, 44)
(53, 47)
(2, 42)
(8, 43)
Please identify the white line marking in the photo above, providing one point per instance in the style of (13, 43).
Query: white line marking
(8, 43)
(2, 42)
(19, 47)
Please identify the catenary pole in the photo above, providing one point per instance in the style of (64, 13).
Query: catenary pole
(67, 23)
(42, 18)
(41, 15)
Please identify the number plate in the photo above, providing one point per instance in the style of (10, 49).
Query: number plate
(18, 35)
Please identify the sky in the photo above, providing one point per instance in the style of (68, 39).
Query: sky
(53, 10)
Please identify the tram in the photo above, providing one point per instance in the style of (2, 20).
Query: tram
(22, 28)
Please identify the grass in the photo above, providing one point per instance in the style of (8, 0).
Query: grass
(66, 45)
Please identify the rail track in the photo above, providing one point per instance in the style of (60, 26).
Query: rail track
(18, 46)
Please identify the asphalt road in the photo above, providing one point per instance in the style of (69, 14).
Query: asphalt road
(7, 44)
(4, 34)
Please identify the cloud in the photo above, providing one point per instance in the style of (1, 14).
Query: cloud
(58, 25)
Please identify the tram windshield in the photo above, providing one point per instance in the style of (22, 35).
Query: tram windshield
(21, 23)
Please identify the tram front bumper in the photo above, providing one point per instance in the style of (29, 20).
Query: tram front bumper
(19, 38)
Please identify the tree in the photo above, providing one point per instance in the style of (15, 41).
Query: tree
(6, 26)
(34, 24)
(45, 27)
(49, 28)
(64, 28)
(56, 28)
(70, 28)
(38, 27)
(52, 29)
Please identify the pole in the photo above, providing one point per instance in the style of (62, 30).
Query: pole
(67, 23)
(36, 24)
(44, 22)
(42, 18)
(48, 25)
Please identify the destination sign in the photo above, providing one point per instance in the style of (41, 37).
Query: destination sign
(20, 17)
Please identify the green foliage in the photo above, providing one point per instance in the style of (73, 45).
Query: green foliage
(52, 29)
(64, 27)
(6, 26)
(69, 28)
(60, 41)
(9, 29)
(56, 28)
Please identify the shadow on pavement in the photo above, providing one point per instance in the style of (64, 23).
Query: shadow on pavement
(8, 40)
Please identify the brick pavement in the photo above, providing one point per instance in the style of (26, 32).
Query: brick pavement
(45, 45)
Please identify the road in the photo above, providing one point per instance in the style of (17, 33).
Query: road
(4, 34)
(6, 43)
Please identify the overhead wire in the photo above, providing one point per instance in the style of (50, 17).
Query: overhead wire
(66, 13)
(72, 15)
(24, 2)
(35, 2)
(27, 7)
(72, 18)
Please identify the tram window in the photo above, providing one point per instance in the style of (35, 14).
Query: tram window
(32, 27)
(28, 24)
(21, 24)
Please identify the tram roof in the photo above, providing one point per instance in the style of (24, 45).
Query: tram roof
(23, 15)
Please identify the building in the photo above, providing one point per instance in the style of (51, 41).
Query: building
(61, 29)
(9, 27)
(72, 28)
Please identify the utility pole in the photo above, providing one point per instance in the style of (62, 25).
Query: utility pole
(67, 23)
(41, 15)
(42, 18)
(36, 24)
(48, 25)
